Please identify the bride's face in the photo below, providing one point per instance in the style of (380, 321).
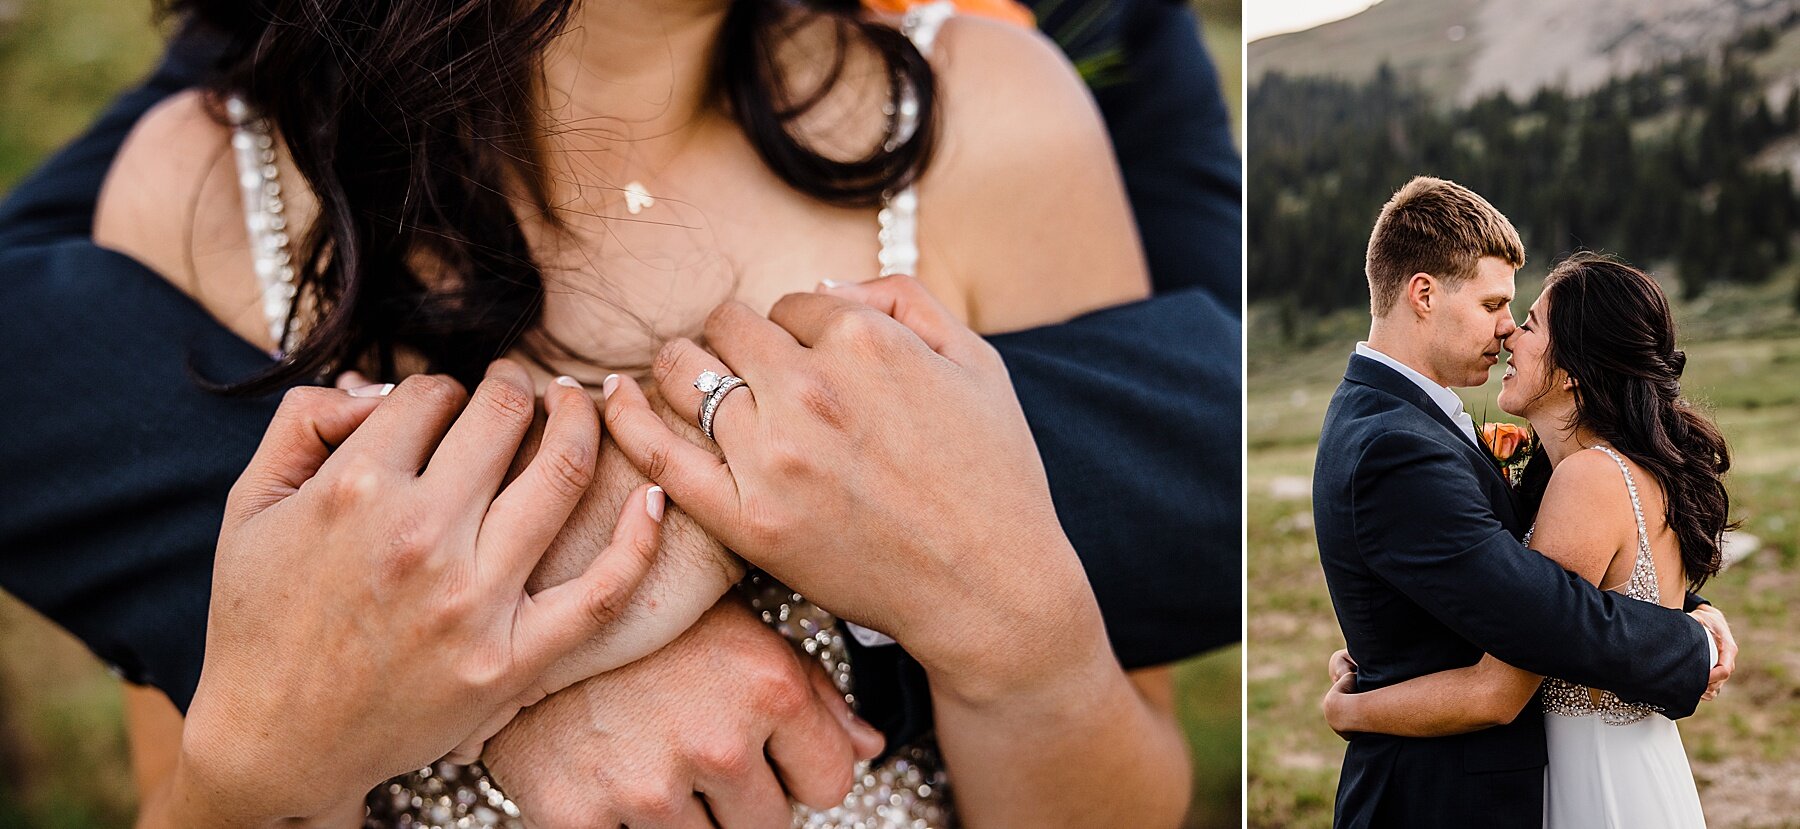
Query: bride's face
(1530, 383)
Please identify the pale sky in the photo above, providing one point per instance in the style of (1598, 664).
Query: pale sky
(1272, 17)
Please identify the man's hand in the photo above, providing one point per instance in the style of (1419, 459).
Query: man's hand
(721, 720)
(878, 444)
(1339, 664)
(1720, 631)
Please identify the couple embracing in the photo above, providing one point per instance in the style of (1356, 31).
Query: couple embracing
(1517, 655)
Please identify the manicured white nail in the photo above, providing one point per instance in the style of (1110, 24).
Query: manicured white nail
(372, 390)
(566, 380)
(831, 283)
(654, 503)
(608, 385)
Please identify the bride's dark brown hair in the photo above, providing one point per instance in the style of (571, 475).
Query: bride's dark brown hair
(414, 121)
(1612, 331)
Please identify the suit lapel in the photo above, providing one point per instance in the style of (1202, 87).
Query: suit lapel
(1373, 374)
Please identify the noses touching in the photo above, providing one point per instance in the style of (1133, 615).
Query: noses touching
(1505, 335)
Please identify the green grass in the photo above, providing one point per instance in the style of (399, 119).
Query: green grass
(62, 745)
(1744, 365)
(1208, 697)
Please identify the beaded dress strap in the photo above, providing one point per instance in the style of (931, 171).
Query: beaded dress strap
(1563, 698)
(265, 218)
(900, 211)
(1643, 583)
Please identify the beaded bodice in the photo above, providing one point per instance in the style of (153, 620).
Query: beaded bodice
(907, 790)
(1567, 699)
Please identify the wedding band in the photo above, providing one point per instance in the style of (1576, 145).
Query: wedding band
(715, 388)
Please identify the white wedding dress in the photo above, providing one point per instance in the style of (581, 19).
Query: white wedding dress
(1614, 764)
(906, 790)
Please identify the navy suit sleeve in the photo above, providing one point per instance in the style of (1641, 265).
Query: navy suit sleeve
(1137, 413)
(117, 463)
(1420, 527)
(1172, 135)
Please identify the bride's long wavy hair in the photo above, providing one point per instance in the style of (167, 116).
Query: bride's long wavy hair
(415, 122)
(1612, 331)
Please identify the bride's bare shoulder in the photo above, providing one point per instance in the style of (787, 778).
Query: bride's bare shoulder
(1034, 211)
(171, 202)
(1023, 218)
(167, 187)
(1586, 518)
(1592, 474)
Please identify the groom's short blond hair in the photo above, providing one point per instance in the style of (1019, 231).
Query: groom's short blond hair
(1437, 227)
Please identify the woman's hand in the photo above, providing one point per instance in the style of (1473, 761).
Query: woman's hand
(1339, 704)
(369, 609)
(876, 447)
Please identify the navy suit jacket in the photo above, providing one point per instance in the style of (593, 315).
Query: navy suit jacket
(1419, 534)
(116, 465)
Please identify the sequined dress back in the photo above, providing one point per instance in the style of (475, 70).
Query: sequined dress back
(906, 790)
(1615, 763)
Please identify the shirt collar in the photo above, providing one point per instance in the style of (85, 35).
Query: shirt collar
(1443, 397)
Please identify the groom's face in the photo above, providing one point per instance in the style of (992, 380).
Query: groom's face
(1471, 323)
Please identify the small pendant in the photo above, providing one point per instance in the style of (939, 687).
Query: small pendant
(637, 198)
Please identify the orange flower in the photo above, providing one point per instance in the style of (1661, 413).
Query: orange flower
(1504, 439)
(1008, 11)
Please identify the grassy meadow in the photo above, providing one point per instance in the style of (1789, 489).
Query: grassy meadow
(63, 763)
(1743, 350)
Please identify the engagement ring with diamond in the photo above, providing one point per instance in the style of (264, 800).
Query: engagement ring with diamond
(715, 388)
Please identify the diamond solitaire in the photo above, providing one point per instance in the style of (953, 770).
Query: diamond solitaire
(707, 382)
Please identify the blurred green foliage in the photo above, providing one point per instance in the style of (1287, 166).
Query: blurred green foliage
(60, 60)
(1684, 164)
